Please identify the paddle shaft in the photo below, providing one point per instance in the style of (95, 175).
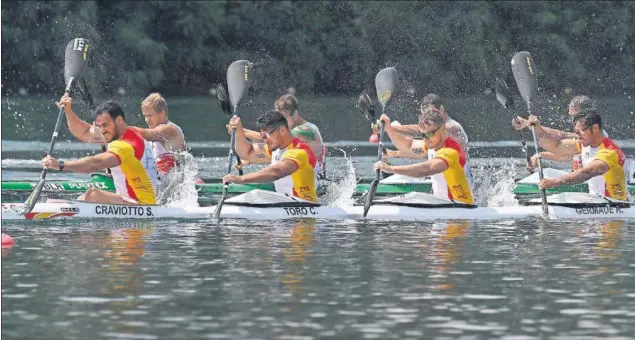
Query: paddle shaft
(380, 147)
(230, 158)
(524, 147)
(373, 185)
(32, 199)
(543, 192)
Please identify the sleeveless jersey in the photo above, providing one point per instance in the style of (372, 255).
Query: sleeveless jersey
(302, 182)
(165, 159)
(613, 182)
(320, 167)
(461, 138)
(453, 183)
(575, 166)
(136, 176)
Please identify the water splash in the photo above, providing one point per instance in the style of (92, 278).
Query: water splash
(340, 193)
(494, 184)
(178, 187)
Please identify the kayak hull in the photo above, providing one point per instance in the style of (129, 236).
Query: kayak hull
(379, 212)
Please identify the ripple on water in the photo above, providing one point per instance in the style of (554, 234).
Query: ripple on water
(464, 326)
(484, 297)
(128, 336)
(90, 299)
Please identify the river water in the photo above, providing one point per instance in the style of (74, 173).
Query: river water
(320, 280)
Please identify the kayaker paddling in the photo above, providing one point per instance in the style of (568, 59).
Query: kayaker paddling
(292, 168)
(604, 168)
(577, 105)
(446, 159)
(300, 128)
(128, 156)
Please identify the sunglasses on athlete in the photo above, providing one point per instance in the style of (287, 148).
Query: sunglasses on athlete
(430, 134)
(268, 134)
(579, 132)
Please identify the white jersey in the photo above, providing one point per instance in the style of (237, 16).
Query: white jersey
(165, 159)
(596, 184)
(285, 184)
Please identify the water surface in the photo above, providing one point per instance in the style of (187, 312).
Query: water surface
(319, 280)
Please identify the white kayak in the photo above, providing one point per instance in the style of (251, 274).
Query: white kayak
(266, 205)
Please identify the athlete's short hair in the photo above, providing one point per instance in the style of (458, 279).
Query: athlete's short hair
(288, 103)
(156, 102)
(431, 99)
(112, 108)
(582, 103)
(271, 119)
(588, 117)
(431, 116)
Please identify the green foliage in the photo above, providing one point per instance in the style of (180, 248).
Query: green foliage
(454, 48)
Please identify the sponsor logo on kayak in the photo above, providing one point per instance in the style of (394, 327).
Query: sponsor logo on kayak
(98, 185)
(598, 210)
(300, 211)
(123, 210)
(16, 208)
(50, 186)
(75, 210)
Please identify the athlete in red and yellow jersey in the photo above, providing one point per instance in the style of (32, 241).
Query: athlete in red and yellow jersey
(607, 163)
(446, 159)
(131, 161)
(292, 161)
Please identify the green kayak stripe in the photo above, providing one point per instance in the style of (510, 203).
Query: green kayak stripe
(106, 183)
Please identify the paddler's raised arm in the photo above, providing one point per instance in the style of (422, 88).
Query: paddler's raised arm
(246, 150)
(520, 123)
(253, 136)
(80, 129)
(565, 148)
(411, 130)
(159, 133)
(400, 141)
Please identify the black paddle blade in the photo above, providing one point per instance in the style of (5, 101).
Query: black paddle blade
(371, 196)
(223, 100)
(503, 95)
(75, 61)
(365, 106)
(525, 76)
(238, 81)
(386, 84)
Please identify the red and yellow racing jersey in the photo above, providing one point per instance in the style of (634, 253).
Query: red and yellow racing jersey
(300, 183)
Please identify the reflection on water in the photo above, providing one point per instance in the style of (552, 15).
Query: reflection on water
(309, 279)
(297, 252)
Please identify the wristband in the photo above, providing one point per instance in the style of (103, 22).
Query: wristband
(61, 163)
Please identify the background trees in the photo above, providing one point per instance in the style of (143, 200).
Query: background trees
(334, 47)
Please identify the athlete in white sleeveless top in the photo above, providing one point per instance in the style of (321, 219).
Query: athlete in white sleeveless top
(165, 136)
(550, 138)
(307, 132)
(415, 148)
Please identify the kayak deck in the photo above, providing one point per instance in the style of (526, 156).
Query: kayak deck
(410, 207)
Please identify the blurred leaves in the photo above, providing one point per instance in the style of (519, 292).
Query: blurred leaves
(336, 47)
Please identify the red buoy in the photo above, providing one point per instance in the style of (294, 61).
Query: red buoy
(7, 241)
